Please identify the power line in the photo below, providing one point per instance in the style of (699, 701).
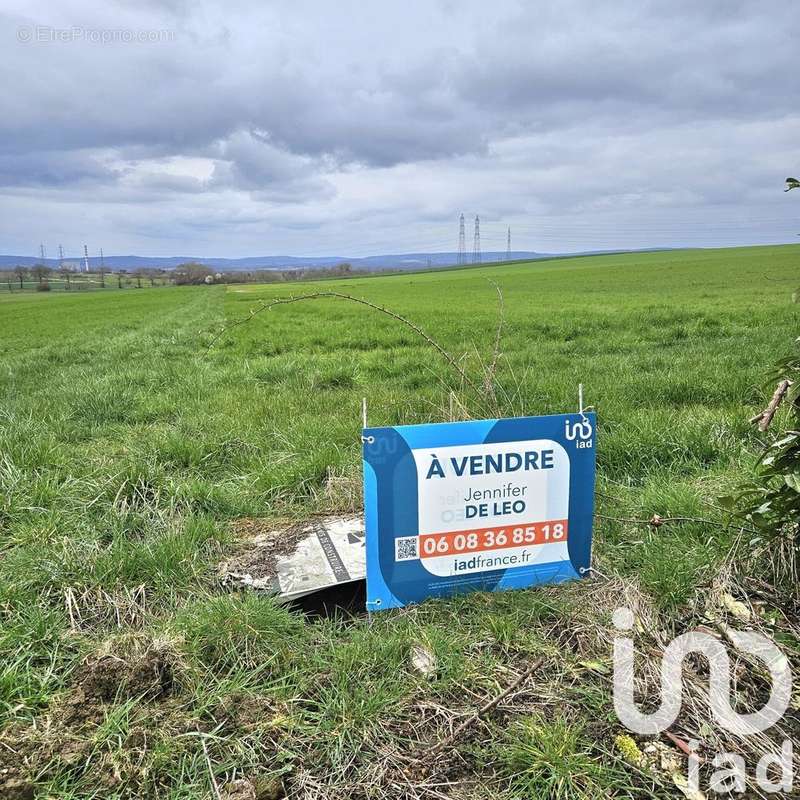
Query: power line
(462, 243)
(646, 226)
(476, 242)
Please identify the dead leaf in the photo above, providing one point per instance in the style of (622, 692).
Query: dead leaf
(680, 780)
(735, 607)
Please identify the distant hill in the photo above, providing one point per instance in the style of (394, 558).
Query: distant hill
(410, 261)
(390, 261)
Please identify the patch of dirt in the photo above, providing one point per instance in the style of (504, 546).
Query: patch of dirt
(244, 712)
(141, 672)
(64, 739)
(15, 782)
(255, 789)
(240, 789)
(261, 542)
(77, 710)
(125, 667)
(16, 788)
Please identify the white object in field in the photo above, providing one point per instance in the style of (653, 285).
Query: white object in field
(423, 660)
(331, 554)
(327, 551)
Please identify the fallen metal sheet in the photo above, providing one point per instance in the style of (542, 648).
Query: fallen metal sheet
(306, 558)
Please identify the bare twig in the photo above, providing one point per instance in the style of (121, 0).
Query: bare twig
(484, 709)
(656, 521)
(765, 417)
(374, 306)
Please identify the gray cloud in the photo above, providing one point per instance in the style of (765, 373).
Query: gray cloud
(249, 160)
(303, 126)
(54, 169)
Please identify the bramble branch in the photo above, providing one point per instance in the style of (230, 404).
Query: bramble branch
(374, 306)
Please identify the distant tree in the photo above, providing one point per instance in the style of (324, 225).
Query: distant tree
(40, 272)
(191, 273)
(65, 274)
(266, 276)
(20, 273)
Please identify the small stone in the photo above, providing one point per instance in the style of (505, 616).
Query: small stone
(423, 660)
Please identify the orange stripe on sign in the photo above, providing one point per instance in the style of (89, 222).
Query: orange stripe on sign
(478, 540)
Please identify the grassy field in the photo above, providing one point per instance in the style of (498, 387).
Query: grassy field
(127, 447)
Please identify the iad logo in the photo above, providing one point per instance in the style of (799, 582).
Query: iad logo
(719, 695)
(719, 680)
(580, 431)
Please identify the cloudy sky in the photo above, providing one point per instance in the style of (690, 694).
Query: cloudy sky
(187, 127)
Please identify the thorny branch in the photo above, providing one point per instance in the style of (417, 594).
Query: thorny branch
(375, 307)
(657, 521)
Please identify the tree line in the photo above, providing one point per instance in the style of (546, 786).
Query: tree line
(41, 276)
(188, 274)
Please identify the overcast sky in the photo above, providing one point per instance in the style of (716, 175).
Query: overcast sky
(352, 128)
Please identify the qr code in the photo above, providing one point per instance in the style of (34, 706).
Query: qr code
(405, 548)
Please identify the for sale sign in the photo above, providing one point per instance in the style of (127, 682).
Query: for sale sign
(485, 505)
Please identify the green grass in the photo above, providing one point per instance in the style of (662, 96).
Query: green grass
(554, 759)
(126, 445)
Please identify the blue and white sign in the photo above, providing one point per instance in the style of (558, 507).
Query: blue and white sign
(485, 505)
